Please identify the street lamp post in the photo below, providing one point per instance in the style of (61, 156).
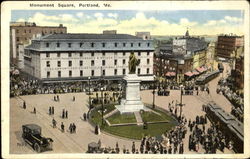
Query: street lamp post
(181, 104)
(102, 103)
(89, 95)
(154, 94)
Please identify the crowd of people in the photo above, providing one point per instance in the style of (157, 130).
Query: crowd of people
(211, 139)
(236, 99)
(20, 85)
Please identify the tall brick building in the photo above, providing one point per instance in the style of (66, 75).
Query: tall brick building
(227, 45)
(21, 34)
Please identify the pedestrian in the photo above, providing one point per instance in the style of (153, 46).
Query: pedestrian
(170, 150)
(63, 114)
(96, 130)
(62, 127)
(133, 147)
(54, 123)
(70, 128)
(24, 105)
(99, 143)
(175, 111)
(74, 128)
(124, 149)
(49, 110)
(141, 149)
(52, 110)
(34, 111)
(117, 149)
(54, 98)
(66, 114)
(58, 98)
(74, 98)
(84, 116)
(197, 92)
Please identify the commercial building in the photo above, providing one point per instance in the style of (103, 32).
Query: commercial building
(238, 73)
(61, 57)
(21, 34)
(185, 57)
(144, 35)
(227, 45)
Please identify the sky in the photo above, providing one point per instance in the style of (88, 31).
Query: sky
(158, 22)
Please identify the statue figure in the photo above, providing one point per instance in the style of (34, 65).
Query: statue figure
(133, 62)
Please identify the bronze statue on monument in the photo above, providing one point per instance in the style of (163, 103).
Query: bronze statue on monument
(132, 63)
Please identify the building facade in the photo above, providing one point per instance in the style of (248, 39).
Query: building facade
(227, 45)
(238, 73)
(143, 35)
(21, 34)
(60, 57)
(199, 58)
(183, 57)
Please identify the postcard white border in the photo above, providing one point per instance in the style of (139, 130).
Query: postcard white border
(8, 6)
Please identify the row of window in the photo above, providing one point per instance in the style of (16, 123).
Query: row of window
(103, 44)
(93, 72)
(44, 31)
(92, 62)
(93, 54)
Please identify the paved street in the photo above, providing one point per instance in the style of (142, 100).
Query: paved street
(77, 143)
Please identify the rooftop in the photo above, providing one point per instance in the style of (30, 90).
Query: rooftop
(91, 36)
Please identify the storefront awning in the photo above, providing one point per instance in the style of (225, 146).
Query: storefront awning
(189, 74)
(170, 74)
(195, 73)
(201, 69)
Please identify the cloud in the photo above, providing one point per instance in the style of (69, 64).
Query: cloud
(211, 22)
(113, 15)
(98, 15)
(227, 20)
(79, 14)
(21, 20)
(233, 19)
(186, 22)
(42, 19)
(97, 22)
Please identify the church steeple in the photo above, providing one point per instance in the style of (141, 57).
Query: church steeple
(187, 33)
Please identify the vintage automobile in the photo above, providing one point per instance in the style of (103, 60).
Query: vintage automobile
(32, 135)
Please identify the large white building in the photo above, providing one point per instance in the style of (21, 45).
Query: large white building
(60, 57)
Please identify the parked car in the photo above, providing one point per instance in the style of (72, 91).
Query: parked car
(31, 133)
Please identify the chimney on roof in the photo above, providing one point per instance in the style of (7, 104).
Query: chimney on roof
(109, 31)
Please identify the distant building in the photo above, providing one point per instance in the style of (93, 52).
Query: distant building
(109, 31)
(238, 73)
(75, 57)
(188, 44)
(227, 45)
(21, 34)
(143, 35)
(210, 56)
(184, 58)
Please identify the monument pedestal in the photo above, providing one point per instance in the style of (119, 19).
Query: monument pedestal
(133, 102)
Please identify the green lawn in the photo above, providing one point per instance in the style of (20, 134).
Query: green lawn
(118, 118)
(134, 131)
(152, 117)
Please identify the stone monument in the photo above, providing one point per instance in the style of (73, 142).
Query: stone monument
(133, 102)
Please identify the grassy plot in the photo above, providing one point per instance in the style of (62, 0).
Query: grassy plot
(118, 118)
(150, 116)
(133, 131)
